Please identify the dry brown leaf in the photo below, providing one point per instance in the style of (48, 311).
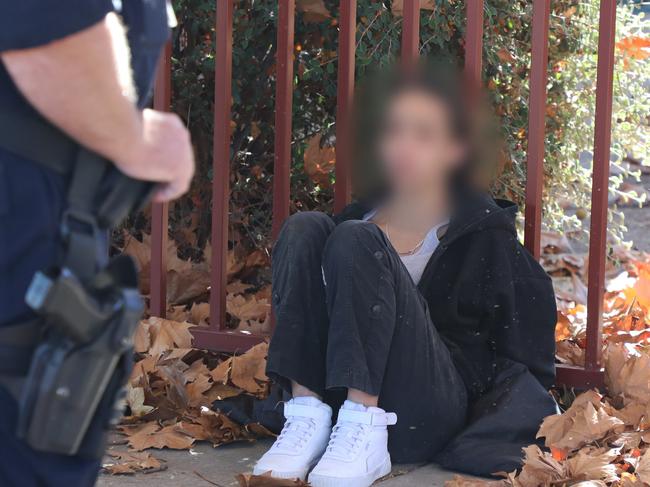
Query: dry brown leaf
(592, 465)
(185, 285)
(140, 251)
(220, 429)
(248, 308)
(590, 483)
(540, 468)
(319, 161)
(132, 462)
(142, 337)
(167, 334)
(237, 287)
(249, 480)
(233, 264)
(199, 313)
(642, 469)
(505, 56)
(221, 373)
(563, 327)
(257, 258)
(255, 327)
(141, 369)
(642, 285)
(219, 392)
(569, 352)
(632, 414)
(135, 400)
(248, 370)
(141, 254)
(152, 435)
(196, 370)
(585, 421)
(313, 10)
(627, 373)
(196, 389)
(178, 313)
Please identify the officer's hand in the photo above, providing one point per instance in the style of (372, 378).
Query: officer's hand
(162, 153)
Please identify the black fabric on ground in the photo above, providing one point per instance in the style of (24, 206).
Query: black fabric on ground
(501, 422)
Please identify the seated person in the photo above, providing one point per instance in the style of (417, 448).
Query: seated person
(415, 304)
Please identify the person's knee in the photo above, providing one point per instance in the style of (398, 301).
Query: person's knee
(306, 229)
(351, 234)
(308, 222)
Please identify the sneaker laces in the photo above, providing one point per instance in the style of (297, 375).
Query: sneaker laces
(296, 433)
(346, 439)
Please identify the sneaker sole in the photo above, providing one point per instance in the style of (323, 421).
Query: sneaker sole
(317, 480)
(301, 475)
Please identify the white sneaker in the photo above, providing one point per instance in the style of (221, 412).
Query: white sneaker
(357, 453)
(301, 442)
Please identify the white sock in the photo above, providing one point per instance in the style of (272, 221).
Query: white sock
(355, 406)
(307, 401)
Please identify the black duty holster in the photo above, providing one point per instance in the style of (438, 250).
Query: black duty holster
(88, 334)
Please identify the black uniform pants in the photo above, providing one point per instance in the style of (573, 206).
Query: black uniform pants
(31, 201)
(349, 316)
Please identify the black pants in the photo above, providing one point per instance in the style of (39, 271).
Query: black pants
(350, 316)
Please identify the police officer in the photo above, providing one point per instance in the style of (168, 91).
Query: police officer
(68, 64)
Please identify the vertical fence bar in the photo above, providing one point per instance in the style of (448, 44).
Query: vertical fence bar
(600, 182)
(536, 126)
(221, 162)
(411, 32)
(474, 44)
(283, 109)
(160, 211)
(345, 93)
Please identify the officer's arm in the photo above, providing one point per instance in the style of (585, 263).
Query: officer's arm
(82, 84)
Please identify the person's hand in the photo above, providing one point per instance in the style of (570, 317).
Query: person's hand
(162, 152)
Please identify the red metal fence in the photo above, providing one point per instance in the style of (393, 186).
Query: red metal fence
(217, 336)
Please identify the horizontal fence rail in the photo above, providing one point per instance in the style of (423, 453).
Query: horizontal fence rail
(217, 336)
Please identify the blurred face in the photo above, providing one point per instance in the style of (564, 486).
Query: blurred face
(417, 146)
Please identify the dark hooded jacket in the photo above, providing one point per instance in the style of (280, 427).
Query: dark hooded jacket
(494, 306)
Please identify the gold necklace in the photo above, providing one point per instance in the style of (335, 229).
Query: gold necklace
(408, 252)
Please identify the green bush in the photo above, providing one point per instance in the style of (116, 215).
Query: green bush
(572, 48)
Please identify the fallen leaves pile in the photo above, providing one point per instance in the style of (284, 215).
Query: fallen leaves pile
(626, 303)
(172, 388)
(171, 392)
(248, 294)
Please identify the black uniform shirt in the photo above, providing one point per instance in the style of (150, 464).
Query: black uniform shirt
(32, 23)
(31, 197)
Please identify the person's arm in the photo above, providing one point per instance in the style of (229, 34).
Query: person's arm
(82, 84)
(520, 310)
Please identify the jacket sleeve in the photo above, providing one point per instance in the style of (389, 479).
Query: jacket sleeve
(521, 311)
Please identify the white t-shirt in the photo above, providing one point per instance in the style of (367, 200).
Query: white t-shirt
(416, 262)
